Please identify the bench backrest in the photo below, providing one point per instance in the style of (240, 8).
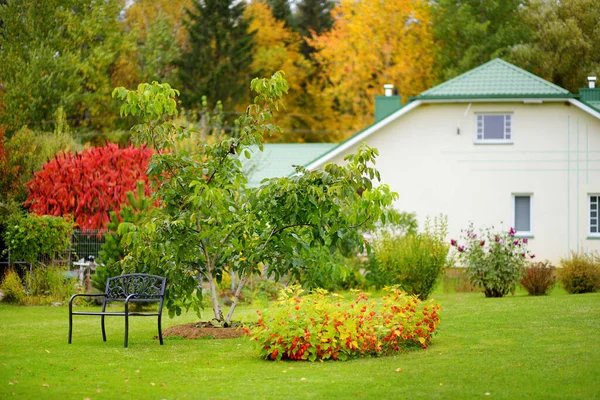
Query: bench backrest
(143, 285)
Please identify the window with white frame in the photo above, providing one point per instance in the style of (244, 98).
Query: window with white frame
(494, 128)
(522, 214)
(594, 209)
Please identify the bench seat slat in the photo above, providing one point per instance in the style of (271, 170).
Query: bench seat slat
(111, 313)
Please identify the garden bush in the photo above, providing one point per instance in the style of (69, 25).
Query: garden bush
(414, 261)
(580, 272)
(12, 287)
(375, 274)
(48, 284)
(28, 237)
(494, 260)
(88, 185)
(538, 278)
(327, 326)
(332, 272)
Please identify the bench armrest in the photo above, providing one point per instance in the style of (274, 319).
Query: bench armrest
(84, 295)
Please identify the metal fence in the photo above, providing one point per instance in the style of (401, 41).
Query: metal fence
(86, 243)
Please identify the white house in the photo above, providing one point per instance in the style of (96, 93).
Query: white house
(495, 146)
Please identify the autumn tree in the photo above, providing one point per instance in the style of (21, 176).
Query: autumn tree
(371, 43)
(278, 48)
(59, 53)
(160, 35)
(469, 33)
(220, 52)
(562, 47)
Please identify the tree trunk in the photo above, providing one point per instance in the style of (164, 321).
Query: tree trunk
(238, 292)
(213, 295)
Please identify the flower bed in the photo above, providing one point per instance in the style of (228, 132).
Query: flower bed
(324, 326)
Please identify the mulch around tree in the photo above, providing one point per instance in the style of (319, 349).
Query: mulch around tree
(203, 329)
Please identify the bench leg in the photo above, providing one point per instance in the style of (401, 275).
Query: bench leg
(126, 329)
(160, 330)
(70, 324)
(103, 330)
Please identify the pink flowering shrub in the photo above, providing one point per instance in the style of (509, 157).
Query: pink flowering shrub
(494, 260)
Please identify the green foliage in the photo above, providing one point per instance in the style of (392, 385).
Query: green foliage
(30, 236)
(414, 261)
(220, 53)
(48, 284)
(322, 326)
(375, 275)
(538, 278)
(25, 153)
(472, 32)
(59, 53)
(159, 52)
(560, 47)
(494, 260)
(580, 272)
(12, 287)
(330, 272)
(208, 222)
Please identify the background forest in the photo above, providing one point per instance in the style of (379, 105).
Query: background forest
(60, 60)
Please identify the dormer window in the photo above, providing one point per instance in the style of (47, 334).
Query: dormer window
(493, 128)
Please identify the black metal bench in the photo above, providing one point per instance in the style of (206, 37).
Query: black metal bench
(131, 288)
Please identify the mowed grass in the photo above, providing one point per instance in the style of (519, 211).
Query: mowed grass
(516, 347)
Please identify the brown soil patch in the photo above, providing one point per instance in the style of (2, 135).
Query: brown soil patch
(203, 329)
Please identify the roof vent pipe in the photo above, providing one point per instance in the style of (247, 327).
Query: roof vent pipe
(388, 89)
(591, 81)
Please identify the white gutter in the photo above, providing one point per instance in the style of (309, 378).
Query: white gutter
(585, 108)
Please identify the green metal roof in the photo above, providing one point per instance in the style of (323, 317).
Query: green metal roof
(277, 159)
(591, 97)
(494, 79)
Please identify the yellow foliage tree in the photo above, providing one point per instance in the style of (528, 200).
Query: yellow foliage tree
(372, 43)
(278, 48)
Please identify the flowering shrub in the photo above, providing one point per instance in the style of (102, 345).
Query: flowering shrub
(326, 326)
(538, 278)
(493, 260)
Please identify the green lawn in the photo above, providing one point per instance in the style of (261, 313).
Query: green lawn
(509, 348)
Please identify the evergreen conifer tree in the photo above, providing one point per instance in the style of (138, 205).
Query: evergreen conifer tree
(217, 63)
(282, 11)
(313, 15)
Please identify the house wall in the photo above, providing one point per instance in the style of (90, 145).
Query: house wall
(555, 157)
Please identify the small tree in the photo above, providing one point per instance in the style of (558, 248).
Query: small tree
(209, 222)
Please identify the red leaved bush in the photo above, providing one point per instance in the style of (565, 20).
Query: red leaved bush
(88, 185)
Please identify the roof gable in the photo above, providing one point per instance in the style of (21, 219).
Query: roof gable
(495, 79)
